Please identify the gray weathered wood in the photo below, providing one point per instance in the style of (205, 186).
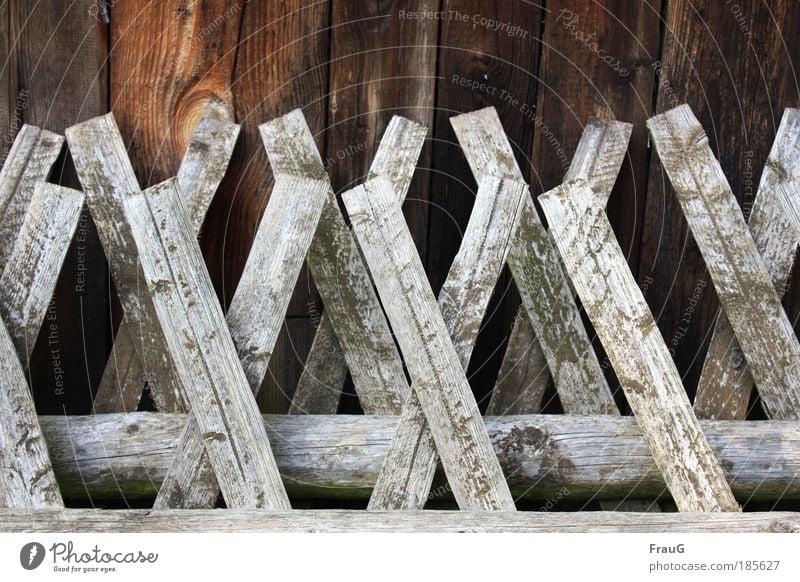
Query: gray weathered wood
(537, 271)
(789, 197)
(32, 270)
(29, 162)
(407, 473)
(206, 362)
(635, 348)
(254, 319)
(341, 277)
(433, 364)
(340, 521)
(725, 383)
(201, 170)
(26, 474)
(593, 457)
(741, 280)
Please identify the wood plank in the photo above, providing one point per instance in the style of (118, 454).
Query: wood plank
(537, 270)
(341, 276)
(636, 349)
(204, 354)
(725, 384)
(200, 173)
(433, 364)
(740, 278)
(396, 158)
(30, 276)
(340, 521)
(26, 479)
(254, 319)
(789, 198)
(408, 471)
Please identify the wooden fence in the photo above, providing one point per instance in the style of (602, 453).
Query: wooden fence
(406, 349)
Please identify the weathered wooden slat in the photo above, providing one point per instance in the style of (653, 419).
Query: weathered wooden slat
(341, 277)
(407, 473)
(741, 280)
(340, 521)
(537, 271)
(254, 319)
(789, 198)
(32, 270)
(206, 362)
(725, 383)
(29, 161)
(107, 177)
(637, 351)
(199, 175)
(433, 364)
(26, 474)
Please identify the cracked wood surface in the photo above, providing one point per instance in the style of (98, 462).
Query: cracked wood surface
(438, 377)
(742, 282)
(641, 360)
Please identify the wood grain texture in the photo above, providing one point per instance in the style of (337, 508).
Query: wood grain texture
(407, 474)
(726, 384)
(32, 270)
(537, 271)
(254, 319)
(741, 280)
(332, 521)
(789, 198)
(341, 276)
(201, 170)
(637, 351)
(205, 358)
(433, 364)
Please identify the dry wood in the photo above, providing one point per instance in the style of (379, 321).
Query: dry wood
(206, 362)
(741, 280)
(339, 521)
(29, 162)
(32, 270)
(199, 175)
(789, 195)
(341, 277)
(407, 473)
(254, 319)
(637, 351)
(726, 384)
(433, 364)
(537, 271)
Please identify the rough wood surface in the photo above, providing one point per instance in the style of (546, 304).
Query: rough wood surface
(789, 198)
(741, 280)
(341, 276)
(254, 319)
(199, 175)
(325, 371)
(26, 474)
(725, 383)
(31, 273)
(30, 161)
(537, 271)
(340, 521)
(636, 349)
(105, 172)
(205, 358)
(438, 377)
(407, 473)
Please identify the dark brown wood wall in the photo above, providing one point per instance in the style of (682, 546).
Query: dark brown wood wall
(160, 65)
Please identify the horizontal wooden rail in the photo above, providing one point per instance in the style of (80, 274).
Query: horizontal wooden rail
(600, 457)
(90, 520)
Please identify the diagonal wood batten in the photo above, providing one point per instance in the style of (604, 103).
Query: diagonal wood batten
(199, 175)
(435, 368)
(254, 319)
(741, 280)
(726, 383)
(637, 351)
(341, 276)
